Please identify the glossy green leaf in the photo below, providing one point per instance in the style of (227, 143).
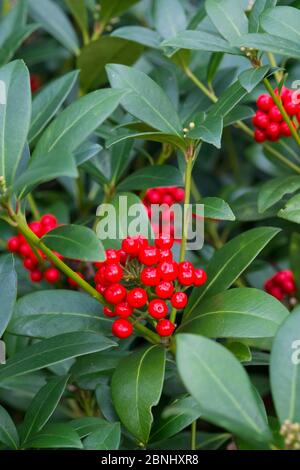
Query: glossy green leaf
(139, 34)
(200, 41)
(236, 313)
(86, 425)
(55, 436)
(8, 291)
(282, 21)
(75, 242)
(14, 42)
(285, 369)
(113, 8)
(228, 17)
(217, 209)
(240, 350)
(106, 437)
(221, 387)
(256, 11)
(79, 11)
(152, 136)
(209, 131)
(121, 156)
(136, 388)
(14, 117)
(8, 432)
(152, 177)
(275, 189)
(53, 350)
(43, 406)
(230, 262)
(46, 104)
(86, 151)
(269, 43)
(250, 78)
(291, 210)
(41, 314)
(239, 113)
(147, 101)
(53, 19)
(169, 17)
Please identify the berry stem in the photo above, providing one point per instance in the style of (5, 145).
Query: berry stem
(33, 207)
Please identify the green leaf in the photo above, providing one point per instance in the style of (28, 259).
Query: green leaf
(269, 43)
(75, 242)
(107, 49)
(41, 314)
(8, 291)
(14, 42)
(121, 156)
(139, 34)
(285, 369)
(274, 190)
(136, 388)
(106, 437)
(14, 118)
(255, 14)
(228, 263)
(43, 406)
(240, 350)
(152, 136)
(236, 313)
(46, 104)
(250, 78)
(79, 11)
(291, 210)
(169, 17)
(221, 387)
(176, 417)
(78, 121)
(8, 432)
(53, 19)
(209, 131)
(152, 177)
(239, 113)
(147, 101)
(199, 41)
(113, 8)
(228, 17)
(55, 436)
(294, 258)
(86, 151)
(282, 22)
(217, 209)
(87, 425)
(53, 350)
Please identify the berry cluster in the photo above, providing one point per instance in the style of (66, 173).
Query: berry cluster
(282, 284)
(142, 280)
(268, 119)
(291, 435)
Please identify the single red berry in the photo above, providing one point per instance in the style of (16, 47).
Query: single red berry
(100, 277)
(123, 310)
(275, 114)
(259, 136)
(49, 221)
(277, 292)
(25, 250)
(153, 196)
(282, 276)
(52, 275)
(112, 256)
(260, 119)
(36, 275)
(164, 289)
(291, 108)
(273, 131)
(73, 283)
(178, 194)
(158, 308)
(165, 255)
(30, 263)
(115, 293)
(137, 297)
(179, 300)
(108, 312)
(185, 266)
(167, 199)
(131, 246)
(285, 93)
(100, 288)
(123, 256)
(143, 242)
(200, 277)
(285, 130)
(186, 278)
(165, 327)
(164, 242)
(122, 328)
(13, 244)
(149, 255)
(150, 276)
(289, 287)
(264, 102)
(168, 270)
(113, 273)
(36, 228)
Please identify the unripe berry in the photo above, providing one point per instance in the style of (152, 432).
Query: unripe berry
(123, 310)
(200, 277)
(164, 289)
(108, 312)
(179, 300)
(137, 297)
(52, 275)
(149, 255)
(158, 308)
(264, 102)
(150, 276)
(115, 293)
(122, 328)
(13, 244)
(165, 327)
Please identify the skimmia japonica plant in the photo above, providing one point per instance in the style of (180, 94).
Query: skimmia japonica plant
(137, 341)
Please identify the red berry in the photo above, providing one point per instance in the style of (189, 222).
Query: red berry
(164, 242)
(149, 255)
(168, 270)
(260, 119)
(164, 289)
(36, 228)
(178, 194)
(153, 196)
(200, 277)
(52, 275)
(185, 266)
(269, 284)
(264, 102)
(108, 312)
(30, 263)
(165, 327)
(273, 131)
(122, 328)
(123, 310)
(179, 300)
(277, 292)
(112, 256)
(289, 287)
(113, 273)
(275, 114)
(100, 277)
(186, 278)
(49, 221)
(150, 276)
(13, 244)
(131, 246)
(291, 108)
(165, 255)
(36, 275)
(115, 294)
(35, 82)
(285, 93)
(285, 130)
(259, 136)
(143, 242)
(100, 288)
(73, 283)
(158, 308)
(123, 256)
(25, 250)
(137, 297)
(167, 199)
(282, 276)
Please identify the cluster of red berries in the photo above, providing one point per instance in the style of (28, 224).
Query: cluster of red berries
(281, 285)
(268, 119)
(144, 276)
(163, 195)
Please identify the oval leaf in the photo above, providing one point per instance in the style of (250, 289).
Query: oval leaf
(8, 291)
(8, 433)
(274, 190)
(152, 177)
